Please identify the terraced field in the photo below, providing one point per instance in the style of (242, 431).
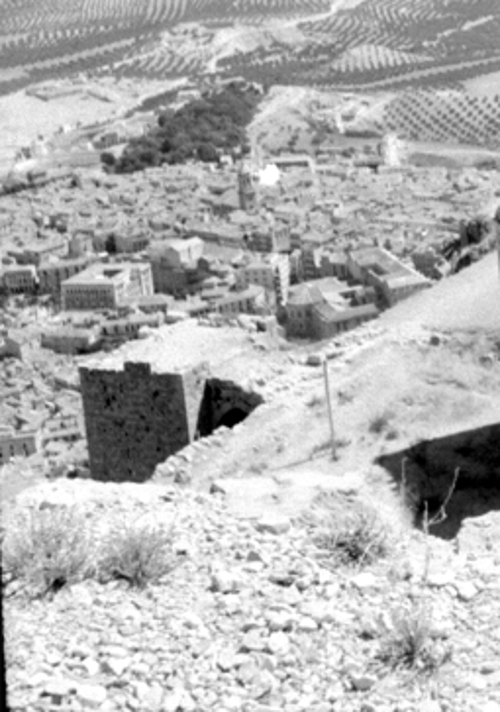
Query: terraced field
(390, 42)
(432, 116)
(346, 44)
(435, 115)
(41, 39)
(338, 45)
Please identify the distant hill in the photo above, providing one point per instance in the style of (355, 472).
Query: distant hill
(340, 45)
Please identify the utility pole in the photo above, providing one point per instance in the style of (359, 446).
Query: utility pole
(330, 409)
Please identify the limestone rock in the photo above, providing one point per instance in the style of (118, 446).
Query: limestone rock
(115, 666)
(273, 524)
(224, 581)
(362, 682)
(278, 643)
(466, 590)
(365, 581)
(91, 696)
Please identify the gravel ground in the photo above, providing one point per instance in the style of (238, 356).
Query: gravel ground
(252, 618)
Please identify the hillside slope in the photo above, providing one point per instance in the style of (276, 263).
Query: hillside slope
(469, 301)
(257, 612)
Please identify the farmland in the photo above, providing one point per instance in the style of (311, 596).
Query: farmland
(53, 37)
(344, 45)
(424, 52)
(389, 42)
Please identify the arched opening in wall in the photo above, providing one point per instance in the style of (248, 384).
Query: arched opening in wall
(461, 470)
(225, 403)
(232, 418)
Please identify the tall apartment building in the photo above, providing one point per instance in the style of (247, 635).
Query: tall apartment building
(272, 272)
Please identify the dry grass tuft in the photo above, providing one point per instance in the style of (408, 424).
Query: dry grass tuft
(46, 549)
(315, 401)
(407, 642)
(348, 530)
(137, 553)
(380, 423)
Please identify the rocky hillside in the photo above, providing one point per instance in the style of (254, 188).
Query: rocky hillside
(260, 615)
(256, 573)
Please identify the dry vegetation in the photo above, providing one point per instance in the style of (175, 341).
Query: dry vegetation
(348, 531)
(47, 549)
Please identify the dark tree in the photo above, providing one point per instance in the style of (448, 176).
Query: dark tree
(201, 129)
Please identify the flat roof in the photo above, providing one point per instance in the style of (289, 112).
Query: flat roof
(102, 273)
(331, 314)
(377, 256)
(234, 297)
(60, 264)
(304, 294)
(408, 279)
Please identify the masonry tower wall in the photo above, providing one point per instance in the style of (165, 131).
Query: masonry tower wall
(136, 418)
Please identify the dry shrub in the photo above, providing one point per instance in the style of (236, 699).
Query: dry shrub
(137, 553)
(348, 530)
(380, 423)
(315, 401)
(46, 549)
(407, 641)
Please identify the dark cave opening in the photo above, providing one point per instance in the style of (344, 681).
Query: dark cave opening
(225, 403)
(463, 466)
(233, 417)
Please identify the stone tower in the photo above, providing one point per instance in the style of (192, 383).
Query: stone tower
(247, 192)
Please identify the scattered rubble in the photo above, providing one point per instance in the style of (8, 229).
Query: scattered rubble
(250, 620)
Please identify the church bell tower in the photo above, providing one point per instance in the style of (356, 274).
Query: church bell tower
(247, 192)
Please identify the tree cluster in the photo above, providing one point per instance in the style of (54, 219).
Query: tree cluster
(201, 130)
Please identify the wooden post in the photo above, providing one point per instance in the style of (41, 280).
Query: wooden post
(330, 409)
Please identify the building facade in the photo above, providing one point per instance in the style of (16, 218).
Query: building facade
(130, 242)
(52, 274)
(271, 272)
(107, 286)
(18, 444)
(378, 268)
(71, 340)
(19, 279)
(42, 251)
(174, 265)
(249, 301)
(270, 238)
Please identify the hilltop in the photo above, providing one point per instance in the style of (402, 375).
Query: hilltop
(267, 564)
(253, 613)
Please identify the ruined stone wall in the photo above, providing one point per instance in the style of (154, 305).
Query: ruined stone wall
(225, 403)
(136, 418)
(430, 465)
